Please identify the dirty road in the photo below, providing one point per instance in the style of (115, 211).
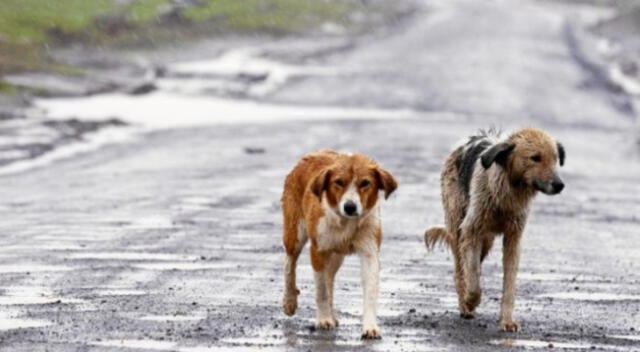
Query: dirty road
(164, 235)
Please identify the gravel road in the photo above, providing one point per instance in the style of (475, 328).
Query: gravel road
(171, 241)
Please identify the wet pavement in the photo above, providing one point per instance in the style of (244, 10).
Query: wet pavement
(170, 240)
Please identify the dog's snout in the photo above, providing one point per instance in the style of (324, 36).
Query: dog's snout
(557, 185)
(350, 208)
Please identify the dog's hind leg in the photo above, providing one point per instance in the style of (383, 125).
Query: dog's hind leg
(295, 237)
(510, 261)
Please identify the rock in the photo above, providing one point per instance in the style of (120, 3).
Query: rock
(254, 150)
(143, 88)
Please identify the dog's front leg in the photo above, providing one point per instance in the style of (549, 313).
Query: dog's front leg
(324, 314)
(471, 250)
(370, 277)
(510, 261)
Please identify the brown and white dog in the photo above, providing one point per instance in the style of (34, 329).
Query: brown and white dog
(487, 186)
(332, 198)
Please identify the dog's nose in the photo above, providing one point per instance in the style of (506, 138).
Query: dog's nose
(350, 208)
(558, 186)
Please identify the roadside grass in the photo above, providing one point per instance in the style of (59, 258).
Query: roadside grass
(276, 16)
(28, 21)
(29, 28)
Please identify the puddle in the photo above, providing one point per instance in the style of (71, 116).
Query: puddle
(121, 292)
(151, 222)
(26, 295)
(258, 340)
(162, 110)
(7, 322)
(133, 256)
(92, 142)
(229, 348)
(554, 277)
(591, 296)
(544, 344)
(156, 345)
(626, 337)
(268, 74)
(184, 266)
(103, 237)
(189, 84)
(39, 246)
(32, 268)
(139, 344)
(177, 317)
(382, 311)
(400, 285)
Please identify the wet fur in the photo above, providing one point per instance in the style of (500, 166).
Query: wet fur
(311, 210)
(487, 186)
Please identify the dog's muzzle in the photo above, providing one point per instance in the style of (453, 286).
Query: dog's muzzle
(554, 187)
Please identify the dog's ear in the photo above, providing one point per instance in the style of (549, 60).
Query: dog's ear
(321, 182)
(385, 180)
(498, 154)
(561, 153)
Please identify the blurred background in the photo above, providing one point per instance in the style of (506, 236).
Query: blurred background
(143, 146)
(252, 49)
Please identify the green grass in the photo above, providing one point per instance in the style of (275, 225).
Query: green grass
(6, 88)
(28, 28)
(270, 15)
(144, 11)
(28, 21)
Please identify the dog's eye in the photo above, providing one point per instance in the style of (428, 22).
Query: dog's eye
(339, 183)
(537, 158)
(364, 183)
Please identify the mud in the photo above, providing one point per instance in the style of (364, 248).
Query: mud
(171, 241)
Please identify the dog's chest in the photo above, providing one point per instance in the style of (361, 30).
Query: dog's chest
(505, 220)
(342, 235)
(336, 234)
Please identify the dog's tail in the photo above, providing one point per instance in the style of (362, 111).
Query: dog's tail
(436, 235)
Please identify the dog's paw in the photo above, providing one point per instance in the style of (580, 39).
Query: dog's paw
(467, 315)
(290, 303)
(472, 300)
(326, 324)
(509, 326)
(467, 312)
(371, 333)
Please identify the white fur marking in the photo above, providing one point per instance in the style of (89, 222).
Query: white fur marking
(335, 230)
(351, 195)
(370, 271)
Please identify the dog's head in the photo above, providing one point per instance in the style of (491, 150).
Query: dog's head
(352, 184)
(530, 158)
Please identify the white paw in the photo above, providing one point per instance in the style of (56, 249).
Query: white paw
(326, 323)
(371, 332)
(509, 325)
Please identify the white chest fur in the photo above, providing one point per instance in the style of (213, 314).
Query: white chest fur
(335, 232)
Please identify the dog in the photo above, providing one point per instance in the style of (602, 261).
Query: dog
(332, 198)
(487, 187)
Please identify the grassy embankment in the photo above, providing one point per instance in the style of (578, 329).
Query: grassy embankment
(29, 28)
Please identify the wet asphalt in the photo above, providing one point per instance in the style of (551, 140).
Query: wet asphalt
(171, 242)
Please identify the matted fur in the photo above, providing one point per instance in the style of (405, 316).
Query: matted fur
(314, 202)
(487, 186)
